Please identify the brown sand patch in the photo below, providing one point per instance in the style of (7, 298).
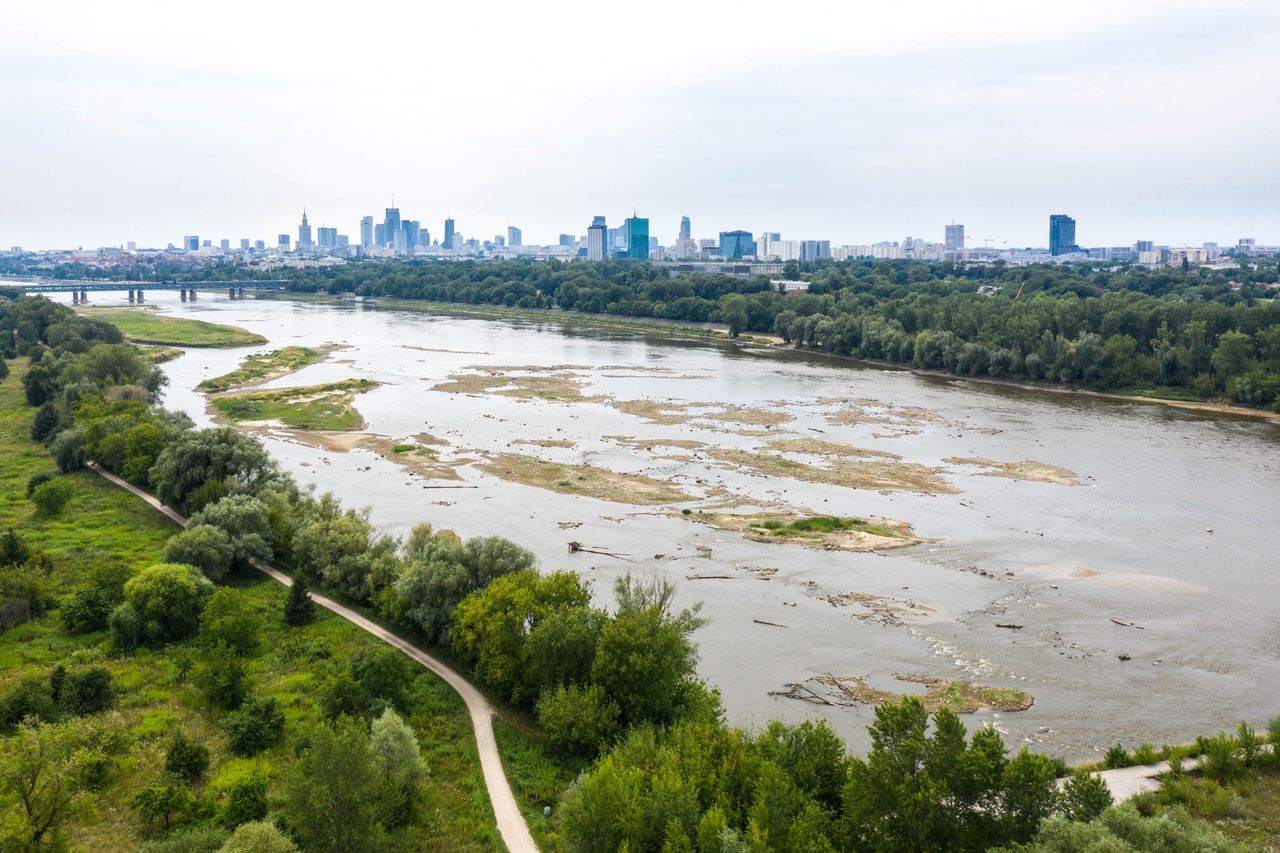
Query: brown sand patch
(584, 480)
(651, 443)
(667, 412)
(1040, 472)
(884, 609)
(821, 447)
(865, 411)
(546, 442)
(736, 414)
(852, 474)
(961, 697)
(421, 460)
(827, 533)
(556, 388)
(1082, 572)
(428, 438)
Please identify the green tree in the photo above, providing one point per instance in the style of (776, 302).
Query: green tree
(87, 691)
(46, 422)
(67, 449)
(222, 676)
(246, 800)
(258, 836)
(578, 719)
(299, 608)
(1085, 796)
(51, 498)
(397, 760)
(382, 672)
(44, 770)
(733, 311)
(204, 546)
(234, 460)
(331, 795)
(244, 519)
(167, 599)
(164, 800)
(230, 617)
(186, 759)
(257, 725)
(1232, 355)
(33, 698)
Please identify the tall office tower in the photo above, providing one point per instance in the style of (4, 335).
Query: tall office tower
(567, 240)
(812, 250)
(686, 231)
(499, 241)
(955, 238)
(304, 233)
(636, 230)
(514, 237)
(244, 244)
(1062, 234)
(412, 230)
(400, 242)
(448, 234)
(1144, 246)
(598, 240)
(736, 245)
(224, 244)
(765, 246)
(282, 242)
(380, 236)
(191, 242)
(327, 237)
(259, 245)
(391, 223)
(366, 231)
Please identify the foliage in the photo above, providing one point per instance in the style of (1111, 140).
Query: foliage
(1123, 829)
(1221, 759)
(44, 769)
(46, 422)
(382, 672)
(52, 497)
(165, 800)
(186, 759)
(397, 761)
(257, 725)
(246, 800)
(204, 546)
(299, 608)
(578, 719)
(31, 697)
(167, 599)
(87, 691)
(234, 460)
(68, 450)
(332, 795)
(229, 618)
(222, 676)
(243, 518)
(258, 836)
(1117, 756)
(1085, 796)
(343, 551)
(200, 838)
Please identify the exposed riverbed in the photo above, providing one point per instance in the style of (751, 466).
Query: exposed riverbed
(1109, 522)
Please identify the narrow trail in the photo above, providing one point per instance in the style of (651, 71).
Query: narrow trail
(511, 823)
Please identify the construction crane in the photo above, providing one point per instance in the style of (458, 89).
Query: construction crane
(1017, 295)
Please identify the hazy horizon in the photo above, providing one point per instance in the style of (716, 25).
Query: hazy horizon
(851, 123)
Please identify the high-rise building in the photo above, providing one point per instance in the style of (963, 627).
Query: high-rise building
(812, 250)
(304, 233)
(366, 231)
(412, 232)
(955, 238)
(391, 223)
(448, 234)
(514, 237)
(1062, 234)
(1144, 246)
(686, 231)
(282, 242)
(636, 230)
(567, 240)
(224, 244)
(259, 245)
(191, 242)
(380, 237)
(244, 244)
(598, 240)
(327, 238)
(400, 242)
(736, 245)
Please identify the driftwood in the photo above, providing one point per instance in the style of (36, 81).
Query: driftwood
(1009, 625)
(1127, 624)
(799, 691)
(711, 577)
(767, 622)
(450, 487)
(576, 547)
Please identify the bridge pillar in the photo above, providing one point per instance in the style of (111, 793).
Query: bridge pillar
(193, 294)
(183, 291)
(130, 295)
(231, 291)
(140, 297)
(84, 296)
(75, 297)
(242, 293)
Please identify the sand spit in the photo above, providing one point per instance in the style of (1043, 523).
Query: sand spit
(903, 419)
(821, 447)
(555, 388)
(416, 459)
(585, 480)
(1040, 472)
(671, 412)
(852, 474)
(266, 367)
(546, 442)
(960, 697)
(828, 533)
(651, 443)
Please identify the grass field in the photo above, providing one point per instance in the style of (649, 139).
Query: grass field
(257, 369)
(144, 326)
(105, 524)
(317, 407)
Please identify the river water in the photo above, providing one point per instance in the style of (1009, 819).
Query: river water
(1132, 545)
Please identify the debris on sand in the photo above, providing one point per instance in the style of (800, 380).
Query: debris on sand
(883, 609)
(585, 480)
(546, 442)
(767, 622)
(1028, 469)
(832, 533)
(960, 697)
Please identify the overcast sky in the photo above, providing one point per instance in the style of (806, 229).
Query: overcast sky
(848, 121)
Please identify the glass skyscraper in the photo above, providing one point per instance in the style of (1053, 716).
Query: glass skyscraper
(637, 234)
(736, 245)
(1062, 234)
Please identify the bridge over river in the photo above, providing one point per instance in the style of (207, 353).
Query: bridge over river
(81, 288)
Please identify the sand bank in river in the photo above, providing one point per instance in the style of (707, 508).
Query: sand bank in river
(672, 412)
(585, 480)
(903, 420)
(265, 367)
(884, 609)
(414, 458)
(651, 443)
(1041, 472)
(821, 447)
(558, 388)
(309, 407)
(546, 442)
(852, 474)
(961, 697)
(830, 533)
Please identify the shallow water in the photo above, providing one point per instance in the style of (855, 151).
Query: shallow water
(1062, 561)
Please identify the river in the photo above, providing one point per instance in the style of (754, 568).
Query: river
(1173, 531)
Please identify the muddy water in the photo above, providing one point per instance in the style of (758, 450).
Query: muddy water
(1131, 545)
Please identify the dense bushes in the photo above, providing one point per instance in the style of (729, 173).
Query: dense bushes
(162, 604)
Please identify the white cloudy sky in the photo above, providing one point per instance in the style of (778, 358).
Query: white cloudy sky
(849, 121)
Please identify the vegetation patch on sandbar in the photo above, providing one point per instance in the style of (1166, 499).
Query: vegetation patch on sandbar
(268, 366)
(159, 355)
(651, 443)
(557, 388)
(309, 407)
(832, 533)
(585, 480)
(1029, 469)
(852, 474)
(145, 326)
(960, 697)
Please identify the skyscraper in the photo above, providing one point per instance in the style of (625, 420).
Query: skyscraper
(636, 230)
(955, 238)
(244, 244)
(412, 230)
(1062, 234)
(597, 240)
(448, 234)
(514, 236)
(686, 232)
(304, 233)
(1144, 246)
(282, 242)
(736, 245)
(191, 242)
(391, 223)
(224, 244)
(327, 238)
(366, 231)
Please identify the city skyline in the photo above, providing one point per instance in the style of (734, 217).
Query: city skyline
(883, 120)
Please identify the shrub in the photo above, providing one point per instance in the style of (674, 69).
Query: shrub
(51, 498)
(229, 618)
(1250, 744)
(256, 726)
(46, 422)
(1145, 754)
(578, 719)
(189, 839)
(204, 546)
(221, 675)
(246, 800)
(382, 672)
(165, 799)
(299, 608)
(125, 627)
(1221, 756)
(67, 449)
(38, 480)
(87, 691)
(32, 697)
(260, 836)
(1116, 757)
(1273, 737)
(186, 759)
(1085, 796)
(168, 598)
(1204, 798)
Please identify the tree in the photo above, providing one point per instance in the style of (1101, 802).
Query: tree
(299, 609)
(244, 520)
(331, 795)
(234, 460)
(46, 422)
(186, 759)
(44, 769)
(382, 672)
(67, 449)
(259, 836)
(204, 546)
(733, 311)
(31, 698)
(87, 691)
(562, 646)
(229, 617)
(167, 599)
(52, 497)
(578, 719)
(40, 384)
(343, 551)
(1085, 796)
(257, 725)
(246, 800)
(398, 762)
(165, 799)
(1232, 355)
(221, 675)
